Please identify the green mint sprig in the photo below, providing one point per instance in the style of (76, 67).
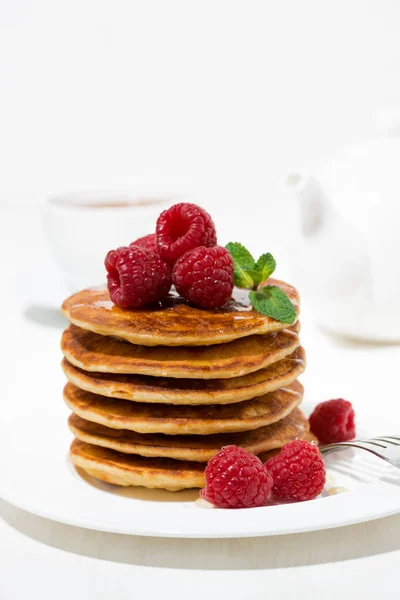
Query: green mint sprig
(269, 300)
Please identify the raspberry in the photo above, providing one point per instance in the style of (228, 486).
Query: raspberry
(183, 227)
(136, 276)
(204, 276)
(236, 479)
(298, 471)
(148, 242)
(333, 421)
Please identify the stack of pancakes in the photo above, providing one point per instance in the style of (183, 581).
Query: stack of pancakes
(156, 392)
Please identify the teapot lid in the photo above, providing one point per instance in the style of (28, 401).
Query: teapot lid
(366, 174)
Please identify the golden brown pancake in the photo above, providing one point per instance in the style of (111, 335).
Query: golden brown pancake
(92, 352)
(178, 420)
(130, 469)
(167, 390)
(173, 322)
(198, 448)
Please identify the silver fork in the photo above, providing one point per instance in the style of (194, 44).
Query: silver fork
(386, 447)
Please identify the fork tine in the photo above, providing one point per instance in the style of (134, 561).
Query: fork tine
(388, 440)
(372, 442)
(373, 446)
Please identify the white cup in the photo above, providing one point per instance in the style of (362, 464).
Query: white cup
(83, 226)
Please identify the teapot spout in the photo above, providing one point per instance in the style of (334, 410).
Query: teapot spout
(313, 205)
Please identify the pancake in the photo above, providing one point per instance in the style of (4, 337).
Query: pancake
(92, 352)
(173, 322)
(166, 390)
(178, 420)
(133, 470)
(198, 448)
(129, 469)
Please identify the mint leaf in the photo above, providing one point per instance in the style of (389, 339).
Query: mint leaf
(241, 255)
(273, 302)
(256, 277)
(243, 263)
(265, 266)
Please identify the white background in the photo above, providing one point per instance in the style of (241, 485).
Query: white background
(231, 94)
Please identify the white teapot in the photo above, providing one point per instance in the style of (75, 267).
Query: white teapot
(347, 257)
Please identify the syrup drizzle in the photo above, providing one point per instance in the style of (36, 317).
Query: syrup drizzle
(238, 303)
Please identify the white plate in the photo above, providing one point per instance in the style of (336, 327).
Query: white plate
(37, 476)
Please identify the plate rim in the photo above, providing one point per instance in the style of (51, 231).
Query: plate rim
(377, 498)
(373, 512)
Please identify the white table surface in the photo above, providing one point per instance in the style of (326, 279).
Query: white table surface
(47, 560)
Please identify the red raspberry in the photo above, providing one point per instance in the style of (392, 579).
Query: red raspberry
(204, 276)
(183, 227)
(148, 242)
(236, 479)
(333, 421)
(136, 276)
(298, 471)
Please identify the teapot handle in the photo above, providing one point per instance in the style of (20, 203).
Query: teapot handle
(312, 205)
